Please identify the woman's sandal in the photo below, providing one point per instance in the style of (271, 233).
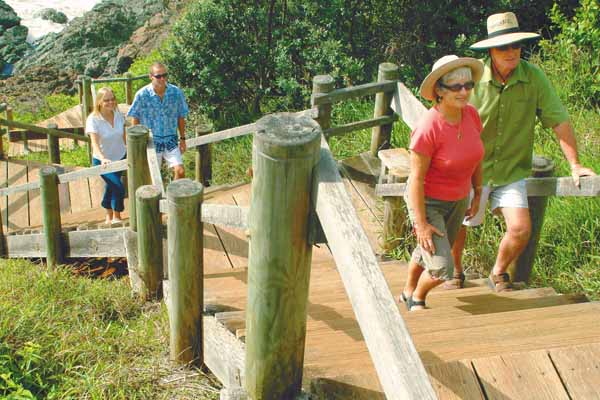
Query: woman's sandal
(457, 282)
(405, 300)
(419, 303)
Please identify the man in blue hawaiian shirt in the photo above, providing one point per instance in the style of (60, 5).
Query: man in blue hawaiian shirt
(162, 107)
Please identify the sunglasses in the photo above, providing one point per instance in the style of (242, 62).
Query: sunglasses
(514, 46)
(459, 86)
(160, 76)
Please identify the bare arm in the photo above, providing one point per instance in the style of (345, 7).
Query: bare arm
(477, 183)
(419, 164)
(95, 140)
(181, 128)
(568, 144)
(135, 121)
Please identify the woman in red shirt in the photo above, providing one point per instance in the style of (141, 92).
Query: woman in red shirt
(445, 164)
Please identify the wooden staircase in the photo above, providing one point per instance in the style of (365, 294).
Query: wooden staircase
(475, 344)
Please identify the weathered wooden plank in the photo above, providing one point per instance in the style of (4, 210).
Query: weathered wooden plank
(154, 167)
(551, 186)
(120, 165)
(357, 126)
(96, 243)
(3, 199)
(124, 79)
(45, 131)
(220, 214)
(398, 365)
(18, 203)
(564, 186)
(35, 202)
(381, 136)
(579, 370)
(235, 132)
(97, 186)
(79, 191)
(224, 354)
(55, 246)
(353, 92)
(520, 376)
(33, 245)
(407, 106)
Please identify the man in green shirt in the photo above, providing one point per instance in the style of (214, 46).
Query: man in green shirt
(509, 97)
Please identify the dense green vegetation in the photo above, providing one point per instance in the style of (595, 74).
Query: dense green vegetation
(63, 337)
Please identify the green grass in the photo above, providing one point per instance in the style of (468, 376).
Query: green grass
(67, 337)
(78, 156)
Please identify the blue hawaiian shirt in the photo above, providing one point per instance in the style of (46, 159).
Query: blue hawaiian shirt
(160, 116)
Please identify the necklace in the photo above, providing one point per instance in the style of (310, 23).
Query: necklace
(500, 75)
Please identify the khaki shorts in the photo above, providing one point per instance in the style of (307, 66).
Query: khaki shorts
(447, 217)
(172, 157)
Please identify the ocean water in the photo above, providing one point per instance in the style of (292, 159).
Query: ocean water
(39, 27)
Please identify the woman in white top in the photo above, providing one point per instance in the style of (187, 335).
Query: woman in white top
(106, 127)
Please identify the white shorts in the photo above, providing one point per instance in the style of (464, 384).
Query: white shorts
(172, 157)
(513, 195)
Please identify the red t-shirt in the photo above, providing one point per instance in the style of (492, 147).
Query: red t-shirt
(454, 157)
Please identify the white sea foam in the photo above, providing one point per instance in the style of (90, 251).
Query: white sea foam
(39, 27)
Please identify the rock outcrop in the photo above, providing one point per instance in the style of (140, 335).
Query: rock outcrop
(13, 36)
(50, 14)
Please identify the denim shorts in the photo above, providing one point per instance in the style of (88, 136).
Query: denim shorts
(446, 216)
(513, 195)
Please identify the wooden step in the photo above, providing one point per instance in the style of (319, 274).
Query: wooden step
(567, 373)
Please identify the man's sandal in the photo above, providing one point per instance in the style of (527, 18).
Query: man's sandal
(457, 282)
(500, 283)
(418, 303)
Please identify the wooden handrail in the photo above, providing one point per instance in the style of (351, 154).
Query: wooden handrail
(44, 131)
(589, 186)
(115, 79)
(352, 92)
(357, 126)
(398, 365)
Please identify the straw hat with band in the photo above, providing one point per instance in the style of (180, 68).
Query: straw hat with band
(445, 65)
(503, 29)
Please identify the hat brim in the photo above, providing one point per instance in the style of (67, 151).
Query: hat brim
(503, 40)
(427, 89)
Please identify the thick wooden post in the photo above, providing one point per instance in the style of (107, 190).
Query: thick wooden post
(323, 84)
(203, 158)
(542, 167)
(137, 166)
(184, 232)
(87, 106)
(9, 117)
(53, 146)
(149, 241)
(51, 216)
(128, 88)
(285, 154)
(381, 135)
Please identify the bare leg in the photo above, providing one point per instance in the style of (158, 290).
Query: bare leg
(425, 284)
(117, 214)
(178, 172)
(458, 248)
(518, 230)
(414, 273)
(109, 215)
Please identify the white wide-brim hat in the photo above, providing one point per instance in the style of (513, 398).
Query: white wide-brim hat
(444, 65)
(503, 29)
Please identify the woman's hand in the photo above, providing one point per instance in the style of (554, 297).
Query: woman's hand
(474, 209)
(425, 234)
(104, 161)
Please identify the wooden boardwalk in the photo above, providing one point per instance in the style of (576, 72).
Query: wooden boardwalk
(475, 344)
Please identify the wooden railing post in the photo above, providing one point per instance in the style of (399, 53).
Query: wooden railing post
(149, 241)
(285, 154)
(51, 216)
(87, 107)
(542, 167)
(3, 132)
(137, 166)
(128, 88)
(9, 117)
(203, 158)
(186, 270)
(323, 84)
(381, 135)
(53, 146)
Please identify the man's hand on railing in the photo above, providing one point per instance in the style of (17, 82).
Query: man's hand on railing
(578, 170)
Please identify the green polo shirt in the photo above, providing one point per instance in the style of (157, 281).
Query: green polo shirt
(508, 115)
